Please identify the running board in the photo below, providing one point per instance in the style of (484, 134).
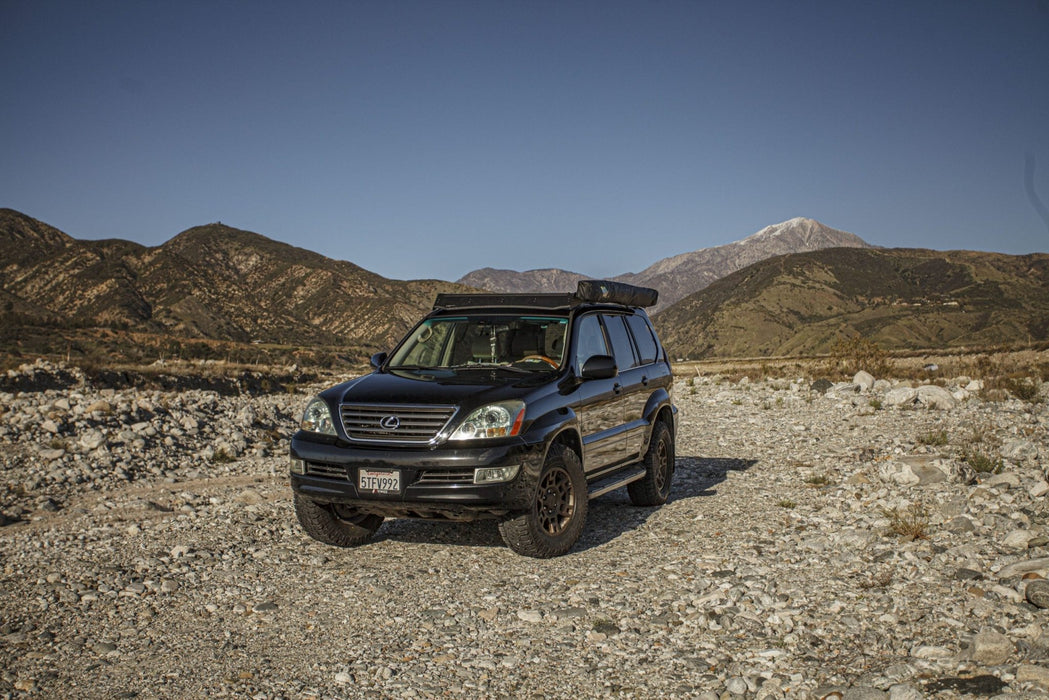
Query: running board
(620, 480)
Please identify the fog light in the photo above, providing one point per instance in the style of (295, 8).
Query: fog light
(495, 475)
(298, 466)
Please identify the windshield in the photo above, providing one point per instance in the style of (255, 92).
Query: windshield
(529, 343)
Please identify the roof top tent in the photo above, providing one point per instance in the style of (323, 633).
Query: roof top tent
(593, 291)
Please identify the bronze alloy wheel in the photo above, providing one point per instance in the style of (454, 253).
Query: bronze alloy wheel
(654, 488)
(555, 519)
(555, 501)
(661, 467)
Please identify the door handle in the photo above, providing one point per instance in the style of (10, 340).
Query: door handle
(644, 380)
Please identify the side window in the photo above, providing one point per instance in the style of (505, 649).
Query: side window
(620, 337)
(590, 340)
(646, 344)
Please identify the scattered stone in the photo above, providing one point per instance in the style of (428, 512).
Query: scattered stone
(1037, 593)
(530, 615)
(779, 568)
(1036, 675)
(821, 385)
(982, 685)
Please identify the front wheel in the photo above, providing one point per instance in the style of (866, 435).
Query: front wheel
(335, 524)
(554, 519)
(653, 488)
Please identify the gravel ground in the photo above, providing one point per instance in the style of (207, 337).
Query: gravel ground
(150, 549)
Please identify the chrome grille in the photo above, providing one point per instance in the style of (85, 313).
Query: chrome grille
(330, 471)
(413, 424)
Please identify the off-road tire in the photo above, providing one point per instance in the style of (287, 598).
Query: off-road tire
(653, 488)
(335, 525)
(556, 516)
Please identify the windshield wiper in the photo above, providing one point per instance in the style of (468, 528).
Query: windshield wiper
(492, 365)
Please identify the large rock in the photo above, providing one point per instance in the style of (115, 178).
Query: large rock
(1019, 450)
(864, 380)
(1024, 567)
(992, 648)
(1036, 675)
(900, 396)
(914, 470)
(898, 473)
(936, 397)
(92, 440)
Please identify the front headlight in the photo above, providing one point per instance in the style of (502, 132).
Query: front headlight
(492, 421)
(317, 418)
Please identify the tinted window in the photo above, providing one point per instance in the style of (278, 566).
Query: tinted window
(646, 344)
(590, 341)
(620, 337)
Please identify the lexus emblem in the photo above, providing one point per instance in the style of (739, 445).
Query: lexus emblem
(390, 423)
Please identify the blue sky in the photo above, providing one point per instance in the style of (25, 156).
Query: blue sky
(427, 139)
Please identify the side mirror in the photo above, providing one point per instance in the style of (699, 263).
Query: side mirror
(599, 367)
(377, 359)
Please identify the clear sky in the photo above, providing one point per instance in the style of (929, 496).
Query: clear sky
(430, 138)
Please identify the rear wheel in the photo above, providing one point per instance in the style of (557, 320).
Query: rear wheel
(654, 488)
(555, 518)
(335, 524)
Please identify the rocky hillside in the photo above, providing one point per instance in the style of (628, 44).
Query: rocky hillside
(899, 299)
(210, 281)
(530, 281)
(678, 276)
(876, 540)
(684, 274)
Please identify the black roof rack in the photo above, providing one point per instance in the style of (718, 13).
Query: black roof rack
(594, 291)
(529, 301)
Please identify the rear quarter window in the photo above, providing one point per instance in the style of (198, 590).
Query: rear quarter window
(646, 342)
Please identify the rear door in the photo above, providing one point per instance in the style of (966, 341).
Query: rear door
(632, 390)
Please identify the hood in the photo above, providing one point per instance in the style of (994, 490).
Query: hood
(466, 389)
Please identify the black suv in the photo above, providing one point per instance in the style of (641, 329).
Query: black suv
(513, 407)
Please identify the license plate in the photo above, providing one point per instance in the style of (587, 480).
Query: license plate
(379, 481)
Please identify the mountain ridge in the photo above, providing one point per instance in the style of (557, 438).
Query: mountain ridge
(212, 281)
(219, 283)
(679, 275)
(899, 298)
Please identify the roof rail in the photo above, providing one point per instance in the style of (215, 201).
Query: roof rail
(528, 301)
(592, 291)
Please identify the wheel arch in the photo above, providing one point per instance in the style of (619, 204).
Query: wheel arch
(658, 408)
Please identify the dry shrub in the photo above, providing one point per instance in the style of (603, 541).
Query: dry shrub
(911, 524)
(850, 355)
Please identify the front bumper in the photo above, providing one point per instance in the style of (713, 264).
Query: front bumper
(435, 484)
